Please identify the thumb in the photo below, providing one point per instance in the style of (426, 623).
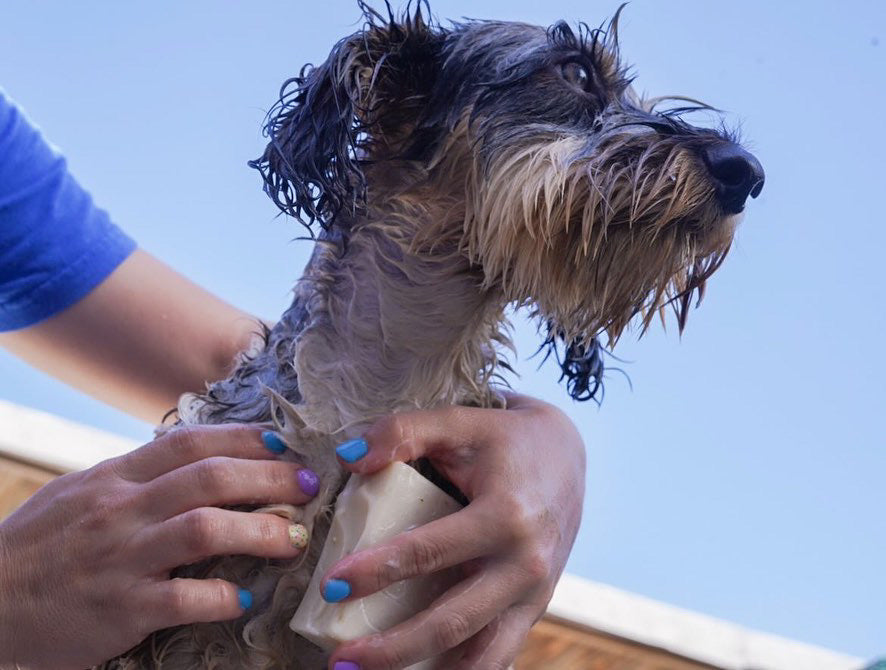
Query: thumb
(446, 435)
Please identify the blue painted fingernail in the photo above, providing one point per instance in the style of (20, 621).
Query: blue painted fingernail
(352, 450)
(245, 598)
(336, 590)
(273, 442)
(346, 665)
(308, 482)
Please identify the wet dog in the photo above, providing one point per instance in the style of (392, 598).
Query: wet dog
(450, 173)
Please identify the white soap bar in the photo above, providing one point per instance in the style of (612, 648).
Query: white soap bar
(369, 510)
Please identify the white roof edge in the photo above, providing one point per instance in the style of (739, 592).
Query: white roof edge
(61, 445)
(689, 634)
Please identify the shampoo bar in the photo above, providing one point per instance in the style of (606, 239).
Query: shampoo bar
(371, 509)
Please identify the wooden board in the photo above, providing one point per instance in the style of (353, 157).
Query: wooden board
(552, 645)
(18, 482)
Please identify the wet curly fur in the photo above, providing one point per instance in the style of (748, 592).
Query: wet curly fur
(447, 173)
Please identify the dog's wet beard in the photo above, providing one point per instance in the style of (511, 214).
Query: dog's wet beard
(593, 231)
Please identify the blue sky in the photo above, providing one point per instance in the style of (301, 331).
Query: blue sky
(745, 474)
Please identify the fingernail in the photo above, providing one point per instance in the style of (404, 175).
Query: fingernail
(245, 598)
(336, 590)
(298, 536)
(273, 442)
(308, 482)
(346, 665)
(352, 450)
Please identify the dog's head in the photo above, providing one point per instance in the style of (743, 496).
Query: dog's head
(569, 192)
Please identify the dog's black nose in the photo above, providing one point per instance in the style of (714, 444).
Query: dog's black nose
(737, 174)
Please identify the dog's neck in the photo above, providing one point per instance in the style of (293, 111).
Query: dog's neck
(390, 329)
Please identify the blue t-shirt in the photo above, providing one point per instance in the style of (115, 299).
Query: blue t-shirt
(55, 244)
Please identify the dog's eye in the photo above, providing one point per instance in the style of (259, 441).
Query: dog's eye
(576, 74)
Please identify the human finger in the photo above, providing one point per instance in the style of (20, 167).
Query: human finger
(190, 444)
(449, 541)
(498, 644)
(453, 618)
(447, 434)
(227, 481)
(210, 531)
(180, 601)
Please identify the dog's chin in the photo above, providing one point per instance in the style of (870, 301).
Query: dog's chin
(718, 235)
(712, 232)
(728, 223)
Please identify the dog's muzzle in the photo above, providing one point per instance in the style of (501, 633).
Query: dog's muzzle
(737, 174)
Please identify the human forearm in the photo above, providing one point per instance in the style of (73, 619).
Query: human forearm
(140, 339)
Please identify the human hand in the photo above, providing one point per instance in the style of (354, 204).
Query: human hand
(85, 562)
(523, 471)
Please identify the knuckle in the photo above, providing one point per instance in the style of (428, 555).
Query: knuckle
(266, 529)
(214, 475)
(387, 569)
(243, 432)
(111, 502)
(393, 432)
(185, 602)
(452, 629)
(425, 556)
(388, 572)
(188, 440)
(217, 593)
(115, 467)
(176, 603)
(536, 565)
(100, 478)
(100, 472)
(280, 477)
(387, 656)
(58, 490)
(200, 527)
(67, 491)
(520, 523)
(389, 429)
(102, 508)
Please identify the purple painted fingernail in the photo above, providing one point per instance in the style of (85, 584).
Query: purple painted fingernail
(346, 665)
(308, 482)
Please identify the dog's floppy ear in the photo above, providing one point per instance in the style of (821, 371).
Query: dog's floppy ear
(580, 362)
(331, 118)
(582, 368)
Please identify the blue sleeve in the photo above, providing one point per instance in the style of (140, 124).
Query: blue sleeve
(55, 244)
